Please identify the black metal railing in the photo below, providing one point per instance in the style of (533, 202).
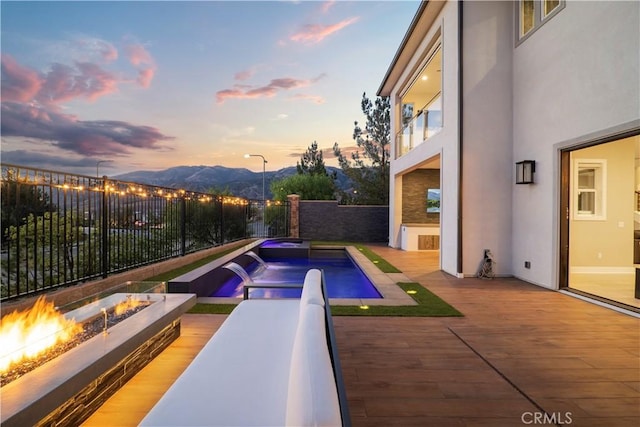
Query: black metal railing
(60, 229)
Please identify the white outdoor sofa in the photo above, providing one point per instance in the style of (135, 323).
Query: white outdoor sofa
(273, 362)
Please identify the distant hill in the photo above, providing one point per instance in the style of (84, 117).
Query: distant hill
(240, 182)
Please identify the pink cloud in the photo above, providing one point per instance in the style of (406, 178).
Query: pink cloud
(91, 48)
(268, 91)
(18, 83)
(30, 104)
(313, 98)
(138, 55)
(61, 82)
(315, 33)
(109, 52)
(86, 80)
(327, 5)
(236, 93)
(143, 61)
(145, 76)
(243, 75)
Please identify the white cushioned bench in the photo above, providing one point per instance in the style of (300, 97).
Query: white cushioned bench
(273, 362)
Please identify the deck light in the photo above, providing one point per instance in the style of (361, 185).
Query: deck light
(412, 291)
(524, 171)
(364, 307)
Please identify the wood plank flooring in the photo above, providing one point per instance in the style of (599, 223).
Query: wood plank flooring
(519, 352)
(136, 398)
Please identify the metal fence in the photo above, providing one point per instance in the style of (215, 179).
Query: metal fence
(60, 229)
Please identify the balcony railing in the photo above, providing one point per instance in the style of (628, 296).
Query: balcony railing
(426, 123)
(60, 229)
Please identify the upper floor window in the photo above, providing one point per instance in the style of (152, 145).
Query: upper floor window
(549, 6)
(527, 16)
(533, 13)
(421, 105)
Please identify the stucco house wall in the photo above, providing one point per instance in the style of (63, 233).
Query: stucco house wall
(571, 82)
(487, 160)
(444, 144)
(574, 78)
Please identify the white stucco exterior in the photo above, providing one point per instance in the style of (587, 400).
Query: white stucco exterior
(577, 75)
(574, 80)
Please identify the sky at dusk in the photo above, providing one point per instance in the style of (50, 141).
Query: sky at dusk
(152, 85)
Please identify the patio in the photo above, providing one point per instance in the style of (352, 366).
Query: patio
(519, 352)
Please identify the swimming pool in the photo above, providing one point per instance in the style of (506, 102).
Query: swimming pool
(343, 278)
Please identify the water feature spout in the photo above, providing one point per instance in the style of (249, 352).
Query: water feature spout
(257, 258)
(241, 272)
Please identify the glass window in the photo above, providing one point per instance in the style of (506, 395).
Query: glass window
(527, 16)
(434, 117)
(549, 6)
(421, 105)
(532, 14)
(590, 189)
(586, 191)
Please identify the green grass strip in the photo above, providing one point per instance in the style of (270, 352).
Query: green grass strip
(429, 305)
(200, 308)
(382, 264)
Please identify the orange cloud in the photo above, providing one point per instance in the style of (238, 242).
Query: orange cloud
(315, 33)
(327, 153)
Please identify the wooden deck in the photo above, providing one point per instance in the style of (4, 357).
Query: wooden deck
(519, 352)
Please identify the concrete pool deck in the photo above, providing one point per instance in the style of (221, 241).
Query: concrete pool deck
(385, 283)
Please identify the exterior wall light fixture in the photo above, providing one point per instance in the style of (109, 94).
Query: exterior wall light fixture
(524, 171)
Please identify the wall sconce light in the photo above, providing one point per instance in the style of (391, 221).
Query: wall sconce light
(524, 171)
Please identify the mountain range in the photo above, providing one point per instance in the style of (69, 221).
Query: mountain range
(240, 182)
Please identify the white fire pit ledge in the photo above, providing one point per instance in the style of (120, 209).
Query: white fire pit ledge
(69, 388)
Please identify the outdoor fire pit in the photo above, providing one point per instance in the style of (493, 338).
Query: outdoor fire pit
(71, 386)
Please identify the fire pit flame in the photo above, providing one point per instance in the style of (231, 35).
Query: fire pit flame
(126, 305)
(26, 334)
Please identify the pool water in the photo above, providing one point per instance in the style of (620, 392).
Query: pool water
(343, 278)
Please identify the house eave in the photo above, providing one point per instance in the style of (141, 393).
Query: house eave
(421, 23)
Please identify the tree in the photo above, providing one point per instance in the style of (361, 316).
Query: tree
(311, 162)
(312, 181)
(44, 250)
(19, 199)
(369, 166)
(211, 221)
(308, 187)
